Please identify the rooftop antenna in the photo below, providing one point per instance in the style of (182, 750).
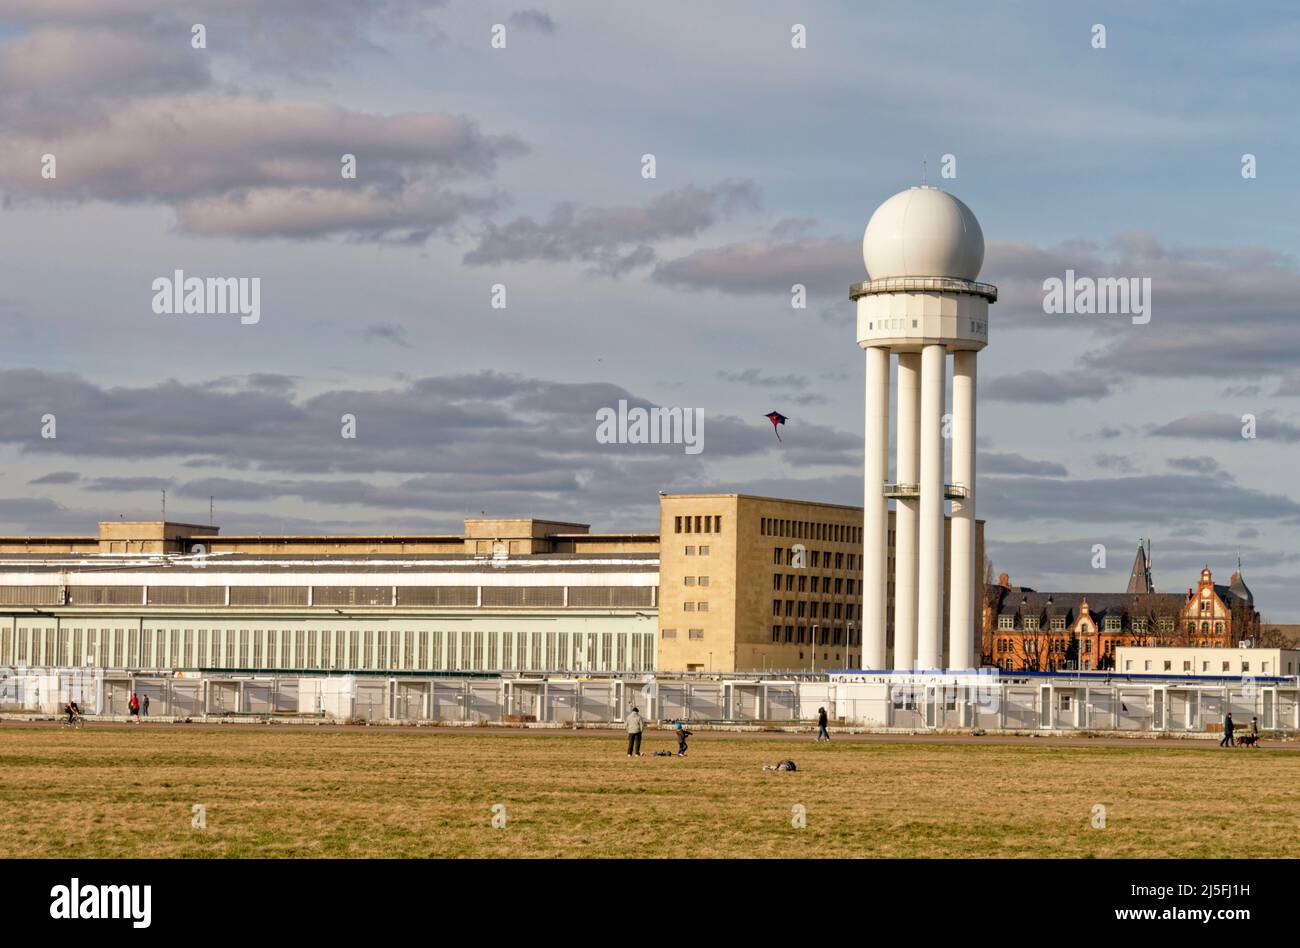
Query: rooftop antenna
(924, 178)
(211, 520)
(164, 504)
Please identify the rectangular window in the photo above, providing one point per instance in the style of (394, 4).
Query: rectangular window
(697, 634)
(704, 551)
(669, 633)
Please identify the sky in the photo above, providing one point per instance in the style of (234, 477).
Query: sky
(520, 164)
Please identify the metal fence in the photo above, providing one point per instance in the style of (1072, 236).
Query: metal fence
(900, 702)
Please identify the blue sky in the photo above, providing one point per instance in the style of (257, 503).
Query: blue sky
(521, 166)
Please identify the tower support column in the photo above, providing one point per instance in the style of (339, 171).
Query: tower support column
(874, 513)
(907, 470)
(929, 607)
(961, 600)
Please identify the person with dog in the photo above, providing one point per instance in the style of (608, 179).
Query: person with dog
(635, 725)
(1227, 732)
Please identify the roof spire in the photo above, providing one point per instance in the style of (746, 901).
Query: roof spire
(1139, 579)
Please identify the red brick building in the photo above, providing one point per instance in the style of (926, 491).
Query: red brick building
(1027, 630)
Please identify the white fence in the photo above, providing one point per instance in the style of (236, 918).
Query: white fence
(916, 702)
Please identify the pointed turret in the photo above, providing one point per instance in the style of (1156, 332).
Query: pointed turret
(1139, 580)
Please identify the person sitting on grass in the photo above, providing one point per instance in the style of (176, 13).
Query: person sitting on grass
(682, 734)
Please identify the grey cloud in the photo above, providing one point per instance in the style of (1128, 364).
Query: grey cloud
(1148, 500)
(427, 444)
(756, 378)
(245, 166)
(1019, 464)
(1119, 462)
(1223, 427)
(1035, 387)
(1201, 464)
(57, 477)
(611, 240)
(56, 62)
(387, 332)
(127, 484)
(537, 21)
(825, 266)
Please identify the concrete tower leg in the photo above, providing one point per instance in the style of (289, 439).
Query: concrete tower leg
(929, 608)
(961, 600)
(906, 511)
(874, 512)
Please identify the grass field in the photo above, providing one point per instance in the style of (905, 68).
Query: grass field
(289, 791)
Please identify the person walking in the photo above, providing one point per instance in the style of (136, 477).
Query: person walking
(682, 734)
(145, 705)
(822, 733)
(635, 725)
(133, 707)
(1227, 732)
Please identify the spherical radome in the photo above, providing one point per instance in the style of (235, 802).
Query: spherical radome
(923, 232)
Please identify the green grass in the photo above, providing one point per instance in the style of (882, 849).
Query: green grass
(302, 792)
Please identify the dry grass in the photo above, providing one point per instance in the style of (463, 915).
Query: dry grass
(116, 792)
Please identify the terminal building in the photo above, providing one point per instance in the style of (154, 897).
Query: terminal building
(732, 583)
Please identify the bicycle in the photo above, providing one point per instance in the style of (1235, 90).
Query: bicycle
(75, 722)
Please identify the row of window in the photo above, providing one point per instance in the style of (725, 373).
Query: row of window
(816, 559)
(692, 551)
(1224, 667)
(346, 649)
(695, 607)
(1137, 625)
(810, 530)
(695, 581)
(823, 636)
(701, 523)
(695, 634)
(826, 585)
(829, 610)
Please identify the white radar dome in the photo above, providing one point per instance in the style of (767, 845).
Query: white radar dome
(923, 232)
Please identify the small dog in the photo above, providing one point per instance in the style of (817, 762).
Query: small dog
(1248, 740)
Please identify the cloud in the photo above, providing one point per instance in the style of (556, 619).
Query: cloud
(245, 166)
(57, 477)
(612, 240)
(1019, 464)
(756, 378)
(432, 445)
(126, 484)
(1201, 464)
(58, 62)
(387, 332)
(1217, 310)
(1147, 500)
(826, 266)
(537, 21)
(1218, 426)
(1035, 387)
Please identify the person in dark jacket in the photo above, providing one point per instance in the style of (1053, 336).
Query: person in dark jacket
(1227, 732)
(635, 725)
(822, 733)
(144, 705)
(682, 734)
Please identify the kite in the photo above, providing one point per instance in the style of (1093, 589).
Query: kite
(776, 418)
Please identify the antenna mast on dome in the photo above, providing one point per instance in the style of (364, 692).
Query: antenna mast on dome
(924, 179)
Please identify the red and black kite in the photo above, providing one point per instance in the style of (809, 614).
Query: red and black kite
(776, 418)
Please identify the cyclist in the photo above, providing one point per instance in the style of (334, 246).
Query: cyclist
(72, 710)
